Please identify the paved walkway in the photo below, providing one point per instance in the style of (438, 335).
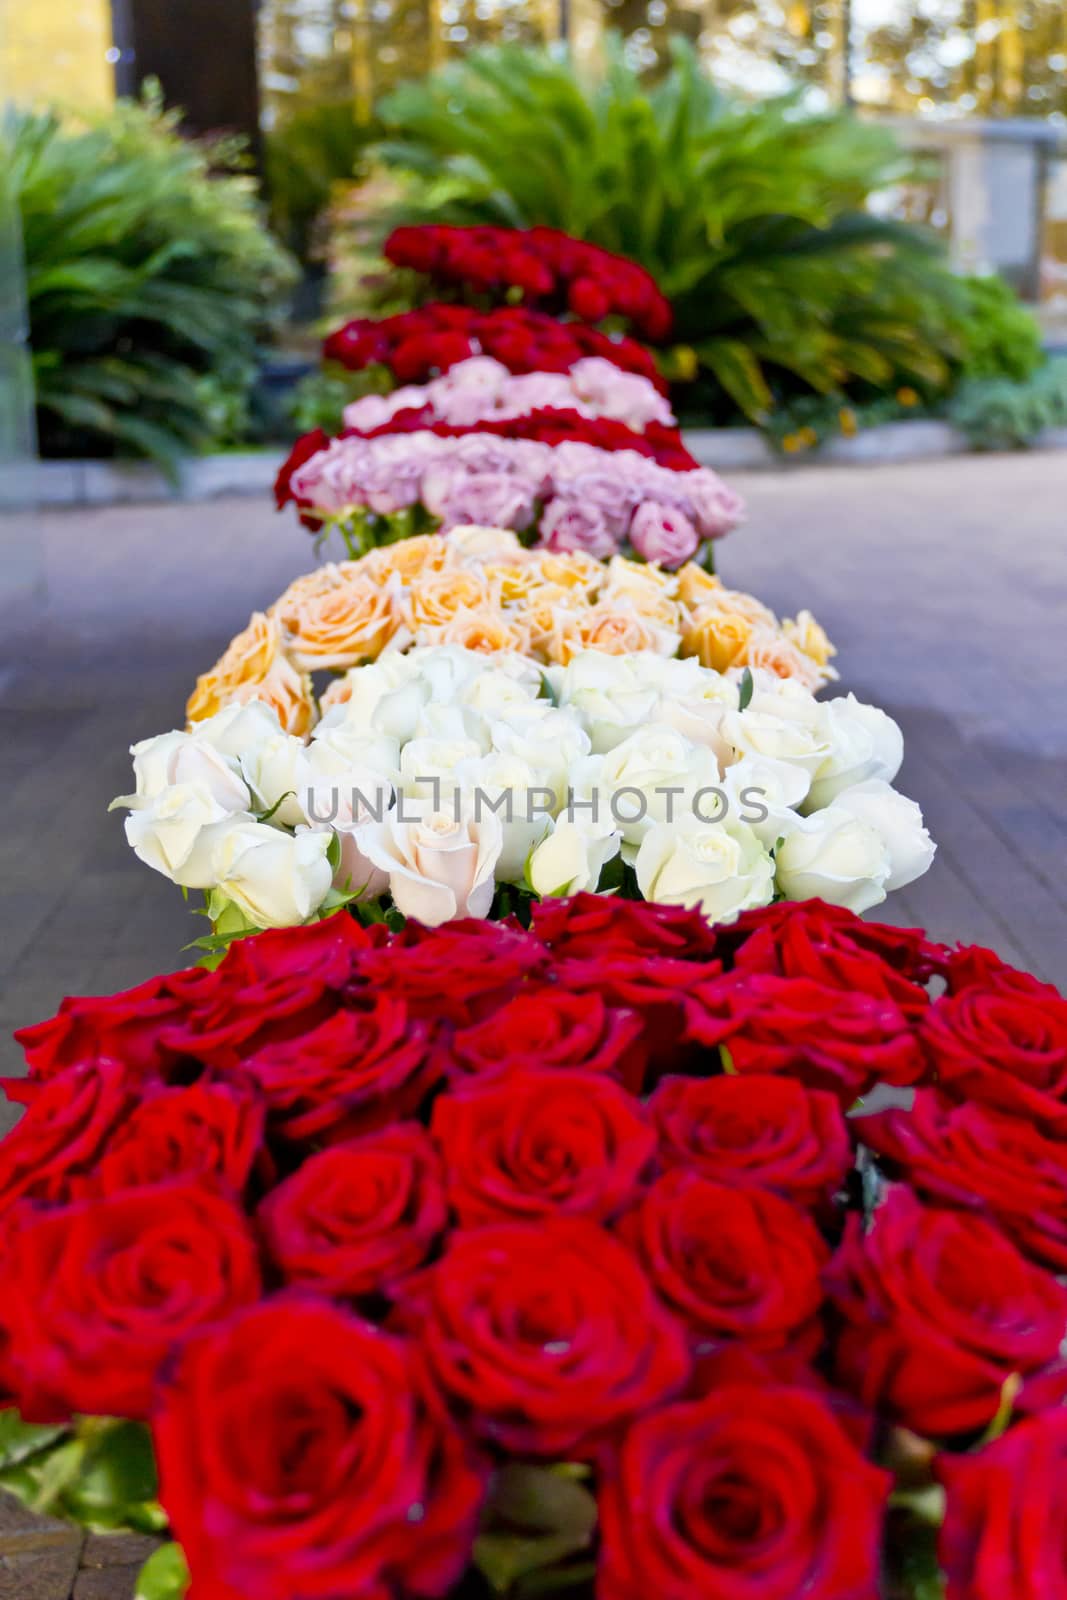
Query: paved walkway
(944, 585)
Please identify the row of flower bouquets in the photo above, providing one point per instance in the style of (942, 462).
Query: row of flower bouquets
(510, 1219)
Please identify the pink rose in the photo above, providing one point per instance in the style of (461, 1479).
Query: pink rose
(567, 526)
(664, 534)
(489, 500)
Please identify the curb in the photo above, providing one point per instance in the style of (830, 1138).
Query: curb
(252, 472)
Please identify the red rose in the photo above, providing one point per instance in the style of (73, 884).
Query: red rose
(938, 1310)
(124, 1027)
(537, 1142)
(357, 345)
(95, 1296)
(1002, 1537)
(360, 1069)
(62, 1133)
(545, 1336)
(308, 445)
(298, 1461)
(1004, 1047)
(597, 926)
(980, 1159)
(731, 1263)
(358, 1216)
(973, 967)
(484, 962)
(755, 1492)
(415, 360)
(588, 300)
(828, 1038)
(208, 1131)
(755, 1130)
(329, 952)
(548, 1027)
(834, 946)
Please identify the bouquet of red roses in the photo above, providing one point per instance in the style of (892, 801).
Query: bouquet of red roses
(543, 266)
(416, 345)
(488, 1260)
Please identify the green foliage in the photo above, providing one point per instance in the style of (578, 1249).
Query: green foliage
(752, 216)
(164, 1576)
(148, 271)
(1001, 339)
(997, 414)
(307, 154)
(95, 1471)
(319, 399)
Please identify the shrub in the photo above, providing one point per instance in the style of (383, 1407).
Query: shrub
(752, 217)
(997, 414)
(309, 152)
(1001, 338)
(150, 280)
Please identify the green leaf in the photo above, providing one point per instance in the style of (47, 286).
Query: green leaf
(745, 689)
(21, 1441)
(164, 1576)
(535, 1520)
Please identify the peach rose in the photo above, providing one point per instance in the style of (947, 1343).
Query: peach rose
(341, 628)
(407, 559)
(438, 868)
(486, 630)
(767, 648)
(285, 691)
(309, 587)
(435, 598)
(512, 581)
(617, 630)
(254, 667)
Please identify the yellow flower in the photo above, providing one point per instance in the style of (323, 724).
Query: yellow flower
(716, 638)
(512, 580)
(808, 438)
(807, 635)
(695, 584)
(907, 396)
(573, 569)
(792, 443)
(847, 421)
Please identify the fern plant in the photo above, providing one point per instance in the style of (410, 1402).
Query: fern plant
(146, 274)
(753, 217)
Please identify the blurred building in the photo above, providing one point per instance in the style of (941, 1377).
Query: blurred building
(979, 85)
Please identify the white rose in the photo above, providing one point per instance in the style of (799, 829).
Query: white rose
(238, 728)
(785, 698)
(438, 868)
(337, 750)
(572, 857)
(764, 794)
(276, 773)
(452, 722)
(449, 671)
(864, 742)
(899, 821)
(386, 697)
(765, 734)
(274, 878)
(181, 758)
(653, 776)
(834, 856)
(606, 695)
(551, 742)
(428, 766)
(175, 833)
(508, 785)
(497, 694)
(721, 868)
